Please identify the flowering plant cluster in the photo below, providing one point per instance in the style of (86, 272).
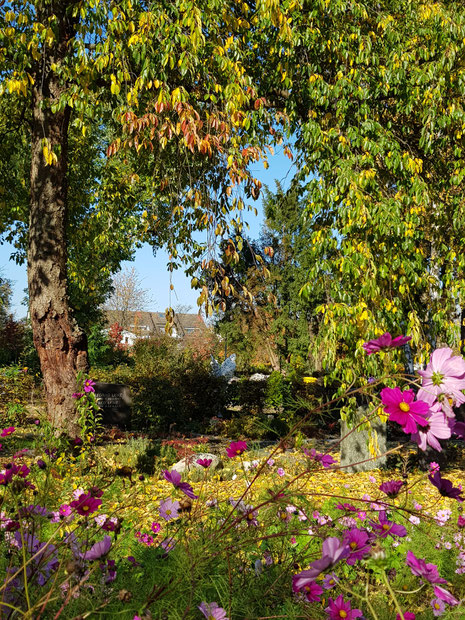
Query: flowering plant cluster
(210, 542)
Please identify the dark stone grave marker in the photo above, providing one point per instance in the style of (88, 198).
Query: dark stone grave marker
(114, 400)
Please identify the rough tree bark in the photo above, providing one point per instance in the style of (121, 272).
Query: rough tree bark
(60, 343)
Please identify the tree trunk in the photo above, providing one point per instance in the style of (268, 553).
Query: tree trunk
(61, 345)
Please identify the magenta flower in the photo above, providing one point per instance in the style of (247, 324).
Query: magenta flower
(438, 606)
(204, 462)
(392, 487)
(98, 550)
(445, 487)
(325, 459)
(421, 569)
(312, 592)
(445, 596)
(236, 448)
(402, 408)
(333, 551)
(7, 475)
(408, 615)
(385, 527)
(445, 374)
(89, 386)
(212, 611)
(86, 504)
(461, 521)
(458, 428)
(385, 342)
(77, 395)
(341, 610)
(169, 510)
(155, 527)
(175, 478)
(358, 542)
(7, 431)
(437, 428)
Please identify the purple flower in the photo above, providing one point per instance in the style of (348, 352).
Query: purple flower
(168, 509)
(168, 544)
(438, 606)
(204, 462)
(445, 596)
(461, 521)
(236, 448)
(212, 611)
(325, 459)
(89, 386)
(385, 527)
(402, 408)
(330, 581)
(281, 472)
(392, 487)
(445, 487)
(175, 478)
(408, 615)
(358, 542)
(339, 609)
(9, 473)
(421, 569)
(98, 550)
(41, 464)
(385, 342)
(458, 429)
(332, 552)
(77, 395)
(437, 428)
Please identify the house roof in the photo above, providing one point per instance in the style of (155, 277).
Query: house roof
(154, 322)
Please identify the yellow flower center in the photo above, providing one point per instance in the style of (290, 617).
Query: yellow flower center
(404, 407)
(238, 452)
(307, 588)
(386, 526)
(168, 512)
(85, 508)
(437, 606)
(353, 545)
(342, 614)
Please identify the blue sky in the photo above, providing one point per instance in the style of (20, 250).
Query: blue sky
(152, 269)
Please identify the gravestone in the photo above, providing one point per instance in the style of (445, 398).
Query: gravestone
(114, 400)
(354, 448)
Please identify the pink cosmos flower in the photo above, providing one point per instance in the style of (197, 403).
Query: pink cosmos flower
(332, 552)
(391, 487)
(77, 395)
(436, 428)
(86, 504)
(330, 581)
(204, 462)
(445, 596)
(341, 610)
(89, 386)
(98, 550)
(461, 521)
(445, 487)
(7, 431)
(169, 510)
(325, 459)
(212, 611)
(175, 478)
(359, 544)
(236, 448)
(445, 374)
(408, 615)
(155, 527)
(402, 408)
(420, 568)
(385, 527)
(312, 592)
(385, 342)
(438, 606)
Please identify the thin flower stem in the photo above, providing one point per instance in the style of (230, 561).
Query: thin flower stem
(393, 596)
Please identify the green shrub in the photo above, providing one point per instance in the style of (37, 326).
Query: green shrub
(172, 389)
